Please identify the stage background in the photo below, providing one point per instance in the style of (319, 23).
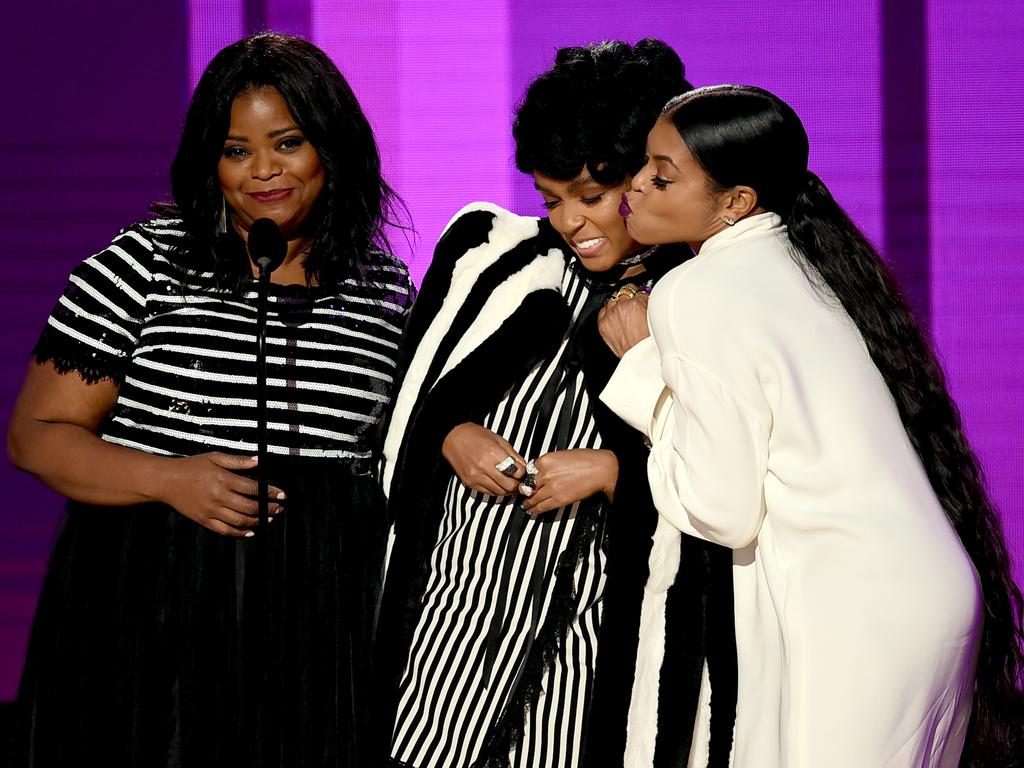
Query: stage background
(914, 111)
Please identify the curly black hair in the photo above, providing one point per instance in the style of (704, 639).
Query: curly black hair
(593, 109)
(355, 204)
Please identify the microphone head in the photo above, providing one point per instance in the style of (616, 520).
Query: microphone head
(267, 245)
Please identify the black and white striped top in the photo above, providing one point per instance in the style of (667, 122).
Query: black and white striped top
(450, 697)
(184, 352)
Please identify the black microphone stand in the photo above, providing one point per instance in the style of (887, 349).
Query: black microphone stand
(262, 481)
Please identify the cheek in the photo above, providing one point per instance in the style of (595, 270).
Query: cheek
(227, 177)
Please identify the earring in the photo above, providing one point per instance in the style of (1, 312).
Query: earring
(222, 220)
(729, 220)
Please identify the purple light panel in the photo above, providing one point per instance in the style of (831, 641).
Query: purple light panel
(976, 121)
(440, 82)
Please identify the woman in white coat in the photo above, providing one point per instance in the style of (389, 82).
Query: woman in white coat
(797, 415)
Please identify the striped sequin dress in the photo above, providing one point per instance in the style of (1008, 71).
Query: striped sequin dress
(158, 642)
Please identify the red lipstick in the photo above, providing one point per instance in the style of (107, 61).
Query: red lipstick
(271, 195)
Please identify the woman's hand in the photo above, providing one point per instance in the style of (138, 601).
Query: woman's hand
(475, 453)
(622, 323)
(207, 490)
(53, 435)
(565, 477)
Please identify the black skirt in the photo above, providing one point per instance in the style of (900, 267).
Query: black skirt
(159, 643)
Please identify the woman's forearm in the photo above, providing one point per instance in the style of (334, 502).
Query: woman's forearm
(79, 465)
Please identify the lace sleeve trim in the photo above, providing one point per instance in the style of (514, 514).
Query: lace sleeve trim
(66, 356)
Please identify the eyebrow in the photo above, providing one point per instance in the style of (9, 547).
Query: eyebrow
(571, 189)
(667, 159)
(271, 135)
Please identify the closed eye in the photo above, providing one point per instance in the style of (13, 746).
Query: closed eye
(659, 182)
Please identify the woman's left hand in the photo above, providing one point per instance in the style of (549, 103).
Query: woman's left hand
(565, 477)
(623, 322)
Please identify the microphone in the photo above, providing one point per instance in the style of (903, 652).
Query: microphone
(267, 245)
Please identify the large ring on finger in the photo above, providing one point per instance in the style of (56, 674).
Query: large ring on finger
(527, 486)
(628, 291)
(531, 469)
(507, 466)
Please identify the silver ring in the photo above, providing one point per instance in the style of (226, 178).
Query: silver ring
(526, 488)
(531, 469)
(507, 466)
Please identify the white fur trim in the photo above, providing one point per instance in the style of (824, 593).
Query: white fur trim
(642, 725)
(507, 231)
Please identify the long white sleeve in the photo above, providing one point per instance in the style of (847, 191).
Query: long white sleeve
(708, 457)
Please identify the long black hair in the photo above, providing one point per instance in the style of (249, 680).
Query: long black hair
(746, 136)
(592, 110)
(356, 203)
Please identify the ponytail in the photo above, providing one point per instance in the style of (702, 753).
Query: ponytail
(841, 263)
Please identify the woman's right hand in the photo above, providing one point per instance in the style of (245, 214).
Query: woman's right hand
(208, 490)
(474, 453)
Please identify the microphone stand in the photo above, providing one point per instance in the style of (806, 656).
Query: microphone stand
(261, 392)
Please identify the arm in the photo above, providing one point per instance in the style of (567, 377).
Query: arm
(709, 443)
(708, 458)
(53, 435)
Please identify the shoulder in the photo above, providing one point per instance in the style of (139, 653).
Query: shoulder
(141, 246)
(385, 278)
(716, 305)
(136, 256)
(483, 236)
(483, 222)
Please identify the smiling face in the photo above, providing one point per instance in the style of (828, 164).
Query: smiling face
(672, 199)
(268, 169)
(586, 214)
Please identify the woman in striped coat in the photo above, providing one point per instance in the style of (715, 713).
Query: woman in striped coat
(170, 630)
(511, 579)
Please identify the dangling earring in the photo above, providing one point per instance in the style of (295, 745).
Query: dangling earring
(222, 220)
(729, 220)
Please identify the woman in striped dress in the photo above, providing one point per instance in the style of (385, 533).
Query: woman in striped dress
(500, 469)
(171, 630)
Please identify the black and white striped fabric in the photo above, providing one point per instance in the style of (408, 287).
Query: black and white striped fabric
(183, 352)
(450, 695)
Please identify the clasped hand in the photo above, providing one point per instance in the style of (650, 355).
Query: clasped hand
(208, 490)
(622, 323)
(562, 478)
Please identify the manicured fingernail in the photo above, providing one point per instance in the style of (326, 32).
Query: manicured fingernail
(270, 519)
(250, 534)
(281, 495)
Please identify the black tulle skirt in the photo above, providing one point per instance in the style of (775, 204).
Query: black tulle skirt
(159, 643)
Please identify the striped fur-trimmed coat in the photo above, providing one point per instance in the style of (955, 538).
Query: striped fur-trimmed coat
(493, 286)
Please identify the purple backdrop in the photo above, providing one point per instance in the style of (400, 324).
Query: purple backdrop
(909, 107)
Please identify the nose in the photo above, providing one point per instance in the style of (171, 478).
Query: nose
(572, 218)
(264, 166)
(640, 180)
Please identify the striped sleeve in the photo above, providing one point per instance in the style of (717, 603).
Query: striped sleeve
(95, 325)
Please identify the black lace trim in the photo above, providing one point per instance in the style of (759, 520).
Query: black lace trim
(508, 729)
(67, 357)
